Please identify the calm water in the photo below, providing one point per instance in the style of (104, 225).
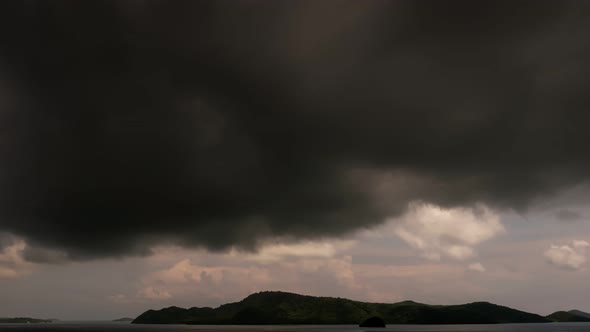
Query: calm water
(124, 327)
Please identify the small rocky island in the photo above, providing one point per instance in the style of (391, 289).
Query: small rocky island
(124, 320)
(372, 322)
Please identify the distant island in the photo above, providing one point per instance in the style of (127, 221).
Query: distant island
(569, 316)
(124, 319)
(372, 322)
(274, 308)
(579, 313)
(24, 320)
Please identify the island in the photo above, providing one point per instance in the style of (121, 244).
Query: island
(372, 322)
(24, 320)
(124, 320)
(579, 313)
(569, 316)
(274, 308)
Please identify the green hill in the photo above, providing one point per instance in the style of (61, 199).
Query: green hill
(567, 316)
(289, 308)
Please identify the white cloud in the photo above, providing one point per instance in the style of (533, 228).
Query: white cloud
(312, 267)
(452, 232)
(306, 249)
(476, 267)
(12, 263)
(570, 257)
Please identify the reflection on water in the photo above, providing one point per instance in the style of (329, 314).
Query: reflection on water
(125, 327)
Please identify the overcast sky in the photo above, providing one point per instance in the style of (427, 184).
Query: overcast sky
(157, 153)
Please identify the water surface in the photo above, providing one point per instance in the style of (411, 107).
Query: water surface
(126, 327)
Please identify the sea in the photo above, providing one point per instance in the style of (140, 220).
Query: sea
(126, 327)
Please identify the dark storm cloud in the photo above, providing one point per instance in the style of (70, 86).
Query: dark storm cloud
(126, 124)
(6, 240)
(568, 215)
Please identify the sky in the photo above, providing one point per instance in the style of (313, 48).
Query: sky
(157, 153)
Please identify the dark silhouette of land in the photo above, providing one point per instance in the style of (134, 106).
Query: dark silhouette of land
(579, 313)
(25, 320)
(569, 316)
(124, 319)
(288, 308)
(372, 322)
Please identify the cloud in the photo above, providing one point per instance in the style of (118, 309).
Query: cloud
(284, 251)
(453, 232)
(569, 257)
(229, 276)
(152, 293)
(12, 262)
(568, 215)
(118, 298)
(476, 267)
(157, 123)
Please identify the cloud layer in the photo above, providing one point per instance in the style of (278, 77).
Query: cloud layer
(568, 256)
(12, 262)
(453, 233)
(203, 124)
